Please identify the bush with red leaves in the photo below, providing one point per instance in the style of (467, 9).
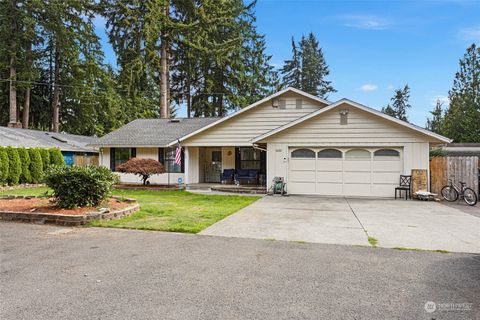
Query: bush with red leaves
(142, 167)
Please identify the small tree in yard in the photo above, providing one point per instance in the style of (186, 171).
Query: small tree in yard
(142, 167)
(45, 154)
(3, 166)
(14, 166)
(36, 165)
(56, 157)
(25, 176)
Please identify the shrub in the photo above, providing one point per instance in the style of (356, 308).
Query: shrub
(56, 157)
(14, 166)
(3, 166)
(141, 167)
(24, 156)
(36, 165)
(80, 186)
(45, 154)
(438, 153)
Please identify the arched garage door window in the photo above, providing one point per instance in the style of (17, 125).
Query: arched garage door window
(303, 153)
(357, 154)
(386, 153)
(330, 154)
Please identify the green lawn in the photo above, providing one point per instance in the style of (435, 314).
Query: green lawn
(178, 211)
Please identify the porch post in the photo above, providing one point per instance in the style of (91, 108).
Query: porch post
(186, 166)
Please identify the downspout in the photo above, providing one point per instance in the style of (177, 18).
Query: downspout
(256, 146)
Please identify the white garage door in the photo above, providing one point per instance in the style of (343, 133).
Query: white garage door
(344, 171)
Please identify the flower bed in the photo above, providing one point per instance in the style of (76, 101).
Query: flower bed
(43, 210)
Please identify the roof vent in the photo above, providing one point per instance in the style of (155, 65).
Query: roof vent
(174, 120)
(59, 139)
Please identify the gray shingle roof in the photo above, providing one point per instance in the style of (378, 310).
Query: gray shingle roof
(152, 132)
(27, 138)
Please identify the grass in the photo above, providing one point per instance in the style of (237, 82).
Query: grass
(417, 249)
(177, 211)
(373, 242)
(37, 191)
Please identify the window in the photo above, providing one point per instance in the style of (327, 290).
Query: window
(216, 156)
(386, 153)
(120, 155)
(330, 153)
(357, 154)
(250, 158)
(303, 153)
(169, 160)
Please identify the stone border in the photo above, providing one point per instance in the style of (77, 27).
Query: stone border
(152, 188)
(66, 219)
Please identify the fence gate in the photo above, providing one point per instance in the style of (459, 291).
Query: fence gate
(463, 169)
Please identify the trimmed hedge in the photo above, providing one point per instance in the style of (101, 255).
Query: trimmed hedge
(25, 176)
(45, 154)
(4, 164)
(14, 166)
(80, 186)
(36, 165)
(56, 157)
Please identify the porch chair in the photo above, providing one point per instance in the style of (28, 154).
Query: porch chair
(227, 176)
(405, 185)
(247, 175)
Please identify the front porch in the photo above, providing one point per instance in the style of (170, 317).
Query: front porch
(206, 167)
(227, 188)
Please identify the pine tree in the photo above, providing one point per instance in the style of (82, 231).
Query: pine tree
(462, 118)
(292, 69)
(25, 176)
(435, 123)
(4, 164)
(14, 166)
(400, 104)
(36, 165)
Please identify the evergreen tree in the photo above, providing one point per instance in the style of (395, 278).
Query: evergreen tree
(4, 164)
(36, 165)
(25, 176)
(45, 154)
(434, 124)
(56, 157)
(307, 70)
(292, 69)
(400, 104)
(14, 166)
(462, 118)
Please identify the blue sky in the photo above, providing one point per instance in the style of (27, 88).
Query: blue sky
(374, 47)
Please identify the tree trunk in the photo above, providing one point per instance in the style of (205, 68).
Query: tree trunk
(56, 93)
(26, 103)
(164, 72)
(13, 91)
(189, 98)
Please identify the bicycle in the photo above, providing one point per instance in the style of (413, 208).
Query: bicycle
(451, 192)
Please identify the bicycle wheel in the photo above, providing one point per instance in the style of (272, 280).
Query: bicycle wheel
(449, 194)
(470, 197)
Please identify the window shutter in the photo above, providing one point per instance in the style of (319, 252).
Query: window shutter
(161, 156)
(112, 159)
(133, 152)
(182, 167)
(282, 104)
(299, 103)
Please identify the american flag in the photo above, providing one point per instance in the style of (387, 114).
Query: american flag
(178, 155)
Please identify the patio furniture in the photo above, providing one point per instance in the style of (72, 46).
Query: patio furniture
(278, 186)
(227, 176)
(405, 185)
(247, 175)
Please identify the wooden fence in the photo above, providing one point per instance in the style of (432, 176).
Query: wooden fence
(85, 160)
(463, 169)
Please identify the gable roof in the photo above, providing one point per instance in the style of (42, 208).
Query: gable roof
(253, 105)
(152, 132)
(356, 105)
(26, 138)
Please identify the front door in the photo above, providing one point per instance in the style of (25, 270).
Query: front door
(213, 165)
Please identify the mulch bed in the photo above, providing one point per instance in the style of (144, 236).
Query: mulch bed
(45, 205)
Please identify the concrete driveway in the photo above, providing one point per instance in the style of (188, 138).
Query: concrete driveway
(393, 223)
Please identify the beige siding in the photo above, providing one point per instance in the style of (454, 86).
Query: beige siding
(362, 129)
(239, 130)
(228, 158)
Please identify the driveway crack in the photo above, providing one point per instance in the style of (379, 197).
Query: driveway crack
(371, 240)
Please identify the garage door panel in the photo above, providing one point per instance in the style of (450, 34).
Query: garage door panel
(386, 177)
(356, 189)
(330, 189)
(302, 164)
(357, 165)
(302, 176)
(333, 177)
(357, 177)
(301, 188)
(386, 166)
(329, 165)
(384, 190)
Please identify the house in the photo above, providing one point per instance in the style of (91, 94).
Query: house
(462, 149)
(76, 149)
(318, 147)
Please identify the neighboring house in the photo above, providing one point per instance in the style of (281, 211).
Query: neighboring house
(462, 149)
(318, 147)
(76, 149)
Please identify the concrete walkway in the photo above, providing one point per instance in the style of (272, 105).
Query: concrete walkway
(394, 223)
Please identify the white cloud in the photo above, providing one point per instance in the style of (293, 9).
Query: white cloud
(469, 34)
(364, 21)
(443, 99)
(390, 87)
(368, 87)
